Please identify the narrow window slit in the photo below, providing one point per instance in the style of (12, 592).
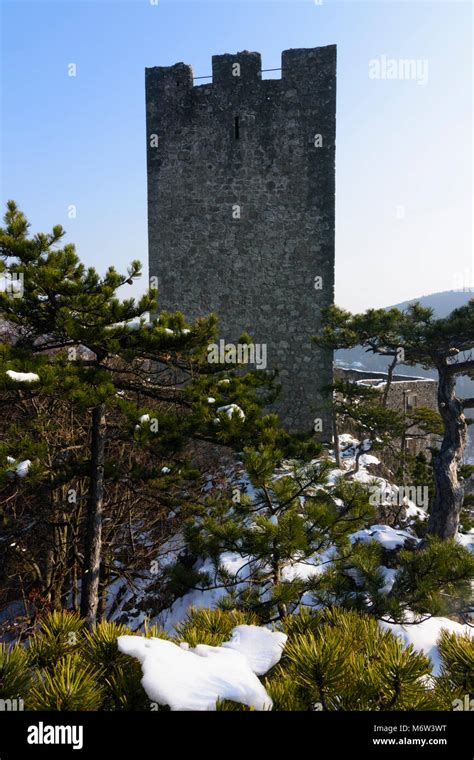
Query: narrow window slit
(236, 128)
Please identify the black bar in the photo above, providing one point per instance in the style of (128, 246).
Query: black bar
(126, 735)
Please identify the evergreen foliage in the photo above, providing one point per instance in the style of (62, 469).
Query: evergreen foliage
(334, 659)
(113, 438)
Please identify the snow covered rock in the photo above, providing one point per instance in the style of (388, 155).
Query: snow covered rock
(22, 377)
(194, 679)
(261, 648)
(389, 538)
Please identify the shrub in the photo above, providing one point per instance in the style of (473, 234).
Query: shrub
(72, 685)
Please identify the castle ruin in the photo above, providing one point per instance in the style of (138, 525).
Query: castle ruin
(241, 209)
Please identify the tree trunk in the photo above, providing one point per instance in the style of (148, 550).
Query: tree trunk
(357, 457)
(337, 448)
(93, 543)
(401, 469)
(277, 568)
(103, 586)
(388, 384)
(445, 512)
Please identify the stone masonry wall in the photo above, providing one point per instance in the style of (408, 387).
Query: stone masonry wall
(241, 203)
(425, 390)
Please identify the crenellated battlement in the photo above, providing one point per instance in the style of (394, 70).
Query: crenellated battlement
(303, 65)
(244, 69)
(236, 69)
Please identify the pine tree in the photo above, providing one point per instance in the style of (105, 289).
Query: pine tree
(104, 358)
(416, 337)
(360, 408)
(277, 527)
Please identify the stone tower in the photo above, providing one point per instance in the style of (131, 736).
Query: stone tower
(241, 197)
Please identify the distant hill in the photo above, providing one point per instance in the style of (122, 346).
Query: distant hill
(442, 303)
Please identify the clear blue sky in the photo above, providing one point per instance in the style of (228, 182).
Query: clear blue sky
(404, 149)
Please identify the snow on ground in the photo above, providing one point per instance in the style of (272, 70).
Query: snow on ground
(195, 678)
(350, 446)
(311, 567)
(414, 512)
(424, 636)
(387, 537)
(231, 562)
(367, 459)
(22, 377)
(466, 540)
(389, 575)
(126, 596)
(390, 538)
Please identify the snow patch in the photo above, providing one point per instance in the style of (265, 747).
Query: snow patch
(389, 538)
(261, 648)
(22, 377)
(466, 540)
(389, 576)
(424, 636)
(21, 469)
(195, 678)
